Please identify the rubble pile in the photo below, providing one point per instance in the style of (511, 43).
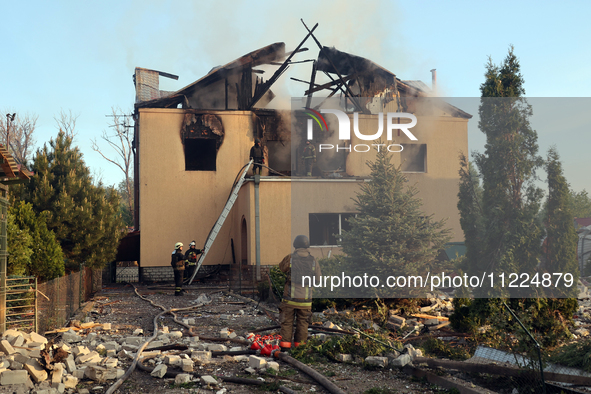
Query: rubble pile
(33, 363)
(582, 318)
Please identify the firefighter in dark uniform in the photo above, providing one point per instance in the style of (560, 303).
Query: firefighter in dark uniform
(191, 259)
(178, 265)
(257, 155)
(297, 299)
(309, 157)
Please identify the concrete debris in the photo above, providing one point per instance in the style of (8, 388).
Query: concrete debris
(172, 360)
(412, 352)
(401, 360)
(273, 365)
(203, 299)
(209, 381)
(187, 365)
(217, 348)
(159, 371)
(397, 320)
(344, 358)
(381, 362)
(582, 332)
(70, 336)
(256, 362)
(321, 337)
(13, 377)
(182, 378)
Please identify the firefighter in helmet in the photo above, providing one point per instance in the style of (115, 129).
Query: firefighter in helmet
(191, 259)
(297, 299)
(178, 266)
(258, 156)
(309, 157)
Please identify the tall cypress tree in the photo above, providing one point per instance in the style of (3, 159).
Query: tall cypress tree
(560, 247)
(509, 233)
(499, 221)
(84, 216)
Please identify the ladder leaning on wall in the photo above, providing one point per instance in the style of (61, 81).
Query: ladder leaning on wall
(219, 223)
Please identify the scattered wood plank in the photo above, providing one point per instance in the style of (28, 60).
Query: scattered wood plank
(64, 329)
(441, 381)
(495, 369)
(425, 316)
(439, 326)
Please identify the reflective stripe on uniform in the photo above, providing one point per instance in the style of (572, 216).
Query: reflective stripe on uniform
(295, 303)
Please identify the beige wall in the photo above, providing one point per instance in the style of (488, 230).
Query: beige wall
(275, 211)
(178, 205)
(445, 138)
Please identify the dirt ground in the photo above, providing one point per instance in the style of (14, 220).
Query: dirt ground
(126, 311)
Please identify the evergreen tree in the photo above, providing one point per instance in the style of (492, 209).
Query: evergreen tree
(581, 204)
(390, 234)
(19, 245)
(509, 234)
(560, 246)
(499, 221)
(84, 216)
(45, 259)
(126, 202)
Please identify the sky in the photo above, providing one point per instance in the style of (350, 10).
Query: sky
(80, 56)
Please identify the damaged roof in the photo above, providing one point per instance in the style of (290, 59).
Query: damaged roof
(240, 69)
(236, 85)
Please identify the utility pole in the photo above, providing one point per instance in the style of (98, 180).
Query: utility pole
(9, 120)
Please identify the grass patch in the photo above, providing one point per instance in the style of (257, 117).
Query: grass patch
(314, 350)
(287, 372)
(437, 347)
(379, 390)
(576, 355)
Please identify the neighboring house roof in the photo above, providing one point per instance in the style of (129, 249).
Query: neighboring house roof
(10, 170)
(419, 85)
(582, 222)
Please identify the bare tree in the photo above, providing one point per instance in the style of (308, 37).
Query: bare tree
(120, 139)
(22, 128)
(66, 122)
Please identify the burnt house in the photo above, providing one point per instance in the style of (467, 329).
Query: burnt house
(192, 143)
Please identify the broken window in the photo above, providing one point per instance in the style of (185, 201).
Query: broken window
(414, 158)
(325, 228)
(200, 154)
(202, 137)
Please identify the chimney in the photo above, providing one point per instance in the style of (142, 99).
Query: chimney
(434, 80)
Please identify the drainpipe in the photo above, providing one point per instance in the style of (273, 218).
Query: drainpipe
(257, 225)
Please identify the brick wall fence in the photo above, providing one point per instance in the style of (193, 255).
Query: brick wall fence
(240, 278)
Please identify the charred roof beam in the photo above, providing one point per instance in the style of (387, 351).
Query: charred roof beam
(267, 85)
(349, 93)
(330, 84)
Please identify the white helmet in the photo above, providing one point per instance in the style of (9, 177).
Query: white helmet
(178, 245)
(192, 243)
